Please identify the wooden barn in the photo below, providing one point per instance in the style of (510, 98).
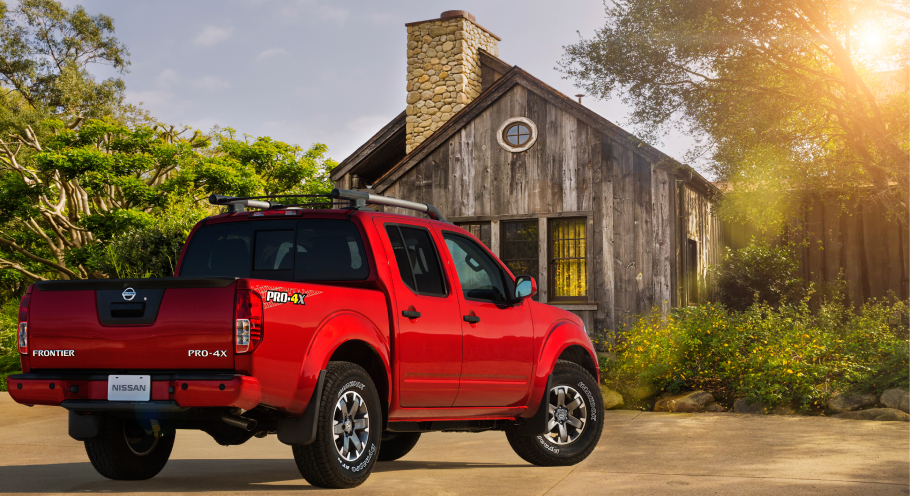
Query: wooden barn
(609, 226)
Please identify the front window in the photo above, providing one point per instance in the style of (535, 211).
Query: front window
(568, 259)
(478, 273)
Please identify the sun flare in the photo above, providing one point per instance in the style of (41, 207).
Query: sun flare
(872, 40)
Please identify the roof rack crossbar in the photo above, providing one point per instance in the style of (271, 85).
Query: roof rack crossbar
(360, 199)
(357, 200)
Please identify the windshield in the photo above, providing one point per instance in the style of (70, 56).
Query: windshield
(305, 250)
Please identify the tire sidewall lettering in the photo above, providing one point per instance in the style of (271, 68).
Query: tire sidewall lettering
(366, 461)
(543, 442)
(350, 384)
(590, 400)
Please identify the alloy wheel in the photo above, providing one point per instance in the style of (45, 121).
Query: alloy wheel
(568, 412)
(351, 428)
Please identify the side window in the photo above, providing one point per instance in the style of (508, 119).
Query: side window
(480, 275)
(418, 262)
(274, 250)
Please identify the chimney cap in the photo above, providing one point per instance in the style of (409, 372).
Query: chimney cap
(455, 14)
(450, 14)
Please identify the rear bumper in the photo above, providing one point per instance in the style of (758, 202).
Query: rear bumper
(83, 392)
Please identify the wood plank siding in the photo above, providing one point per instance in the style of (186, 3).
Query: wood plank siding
(637, 213)
(855, 245)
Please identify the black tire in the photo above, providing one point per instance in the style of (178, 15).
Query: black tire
(321, 462)
(124, 451)
(549, 450)
(397, 444)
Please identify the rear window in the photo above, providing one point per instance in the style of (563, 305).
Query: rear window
(306, 250)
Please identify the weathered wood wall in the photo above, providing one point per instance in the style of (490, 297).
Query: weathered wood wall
(573, 170)
(698, 221)
(857, 243)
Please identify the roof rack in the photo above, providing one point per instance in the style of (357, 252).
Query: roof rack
(358, 200)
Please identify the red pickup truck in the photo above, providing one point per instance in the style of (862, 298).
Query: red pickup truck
(345, 332)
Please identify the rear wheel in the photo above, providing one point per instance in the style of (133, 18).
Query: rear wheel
(348, 433)
(397, 444)
(123, 450)
(575, 420)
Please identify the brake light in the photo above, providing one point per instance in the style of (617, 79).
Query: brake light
(23, 322)
(248, 322)
(275, 213)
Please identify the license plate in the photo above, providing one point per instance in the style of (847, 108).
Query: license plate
(129, 387)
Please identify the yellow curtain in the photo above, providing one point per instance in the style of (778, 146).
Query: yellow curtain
(569, 251)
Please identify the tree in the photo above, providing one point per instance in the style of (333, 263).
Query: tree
(283, 168)
(790, 96)
(76, 190)
(45, 51)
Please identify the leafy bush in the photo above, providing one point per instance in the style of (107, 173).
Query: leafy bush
(9, 352)
(151, 250)
(759, 272)
(775, 355)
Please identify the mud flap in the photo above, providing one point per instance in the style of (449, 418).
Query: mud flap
(537, 425)
(302, 430)
(84, 427)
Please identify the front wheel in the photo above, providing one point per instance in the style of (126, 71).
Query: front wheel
(348, 432)
(124, 450)
(575, 420)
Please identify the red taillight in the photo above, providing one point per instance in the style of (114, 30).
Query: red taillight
(23, 322)
(247, 321)
(275, 213)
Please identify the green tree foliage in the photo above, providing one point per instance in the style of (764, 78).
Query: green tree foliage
(45, 51)
(789, 96)
(760, 272)
(283, 168)
(80, 188)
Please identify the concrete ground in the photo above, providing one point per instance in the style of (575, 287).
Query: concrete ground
(639, 453)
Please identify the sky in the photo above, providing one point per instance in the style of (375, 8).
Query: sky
(306, 71)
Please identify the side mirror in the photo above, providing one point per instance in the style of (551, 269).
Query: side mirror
(525, 287)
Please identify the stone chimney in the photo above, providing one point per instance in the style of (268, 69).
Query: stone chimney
(443, 70)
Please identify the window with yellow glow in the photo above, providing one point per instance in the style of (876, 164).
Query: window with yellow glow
(568, 259)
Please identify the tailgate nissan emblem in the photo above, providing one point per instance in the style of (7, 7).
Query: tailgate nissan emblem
(129, 294)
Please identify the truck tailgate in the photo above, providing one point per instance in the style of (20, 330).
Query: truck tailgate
(163, 324)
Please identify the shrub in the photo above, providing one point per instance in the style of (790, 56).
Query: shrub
(775, 355)
(9, 351)
(759, 272)
(151, 250)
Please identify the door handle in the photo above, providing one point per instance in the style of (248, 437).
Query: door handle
(471, 319)
(411, 314)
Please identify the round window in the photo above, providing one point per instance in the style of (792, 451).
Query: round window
(517, 134)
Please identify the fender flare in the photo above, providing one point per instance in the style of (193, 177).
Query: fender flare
(561, 335)
(335, 330)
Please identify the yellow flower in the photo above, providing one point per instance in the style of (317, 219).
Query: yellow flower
(789, 371)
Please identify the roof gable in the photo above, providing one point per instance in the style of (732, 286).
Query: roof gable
(363, 157)
(518, 76)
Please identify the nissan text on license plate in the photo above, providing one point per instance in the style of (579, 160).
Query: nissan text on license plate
(129, 387)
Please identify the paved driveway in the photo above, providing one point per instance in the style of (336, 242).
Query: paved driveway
(639, 453)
